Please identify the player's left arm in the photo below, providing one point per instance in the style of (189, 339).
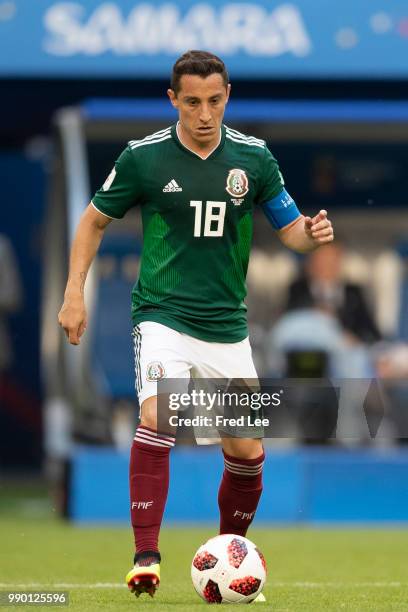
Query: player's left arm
(297, 232)
(305, 234)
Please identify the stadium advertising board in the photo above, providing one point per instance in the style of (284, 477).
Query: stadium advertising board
(257, 38)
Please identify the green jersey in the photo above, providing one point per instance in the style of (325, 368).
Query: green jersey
(197, 227)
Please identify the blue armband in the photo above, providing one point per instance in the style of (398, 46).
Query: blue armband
(281, 211)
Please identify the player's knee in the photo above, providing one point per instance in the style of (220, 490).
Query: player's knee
(243, 448)
(148, 413)
(149, 420)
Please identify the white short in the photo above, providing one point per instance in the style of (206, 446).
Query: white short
(162, 352)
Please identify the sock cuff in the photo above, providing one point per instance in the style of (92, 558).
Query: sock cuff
(151, 437)
(147, 557)
(244, 467)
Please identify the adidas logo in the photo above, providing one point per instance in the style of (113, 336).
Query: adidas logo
(172, 187)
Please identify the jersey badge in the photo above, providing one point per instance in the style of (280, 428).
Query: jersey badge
(237, 185)
(155, 371)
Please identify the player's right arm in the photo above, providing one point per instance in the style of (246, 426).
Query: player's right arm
(117, 195)
(72, 317)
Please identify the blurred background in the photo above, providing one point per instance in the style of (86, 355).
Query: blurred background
(329, 94)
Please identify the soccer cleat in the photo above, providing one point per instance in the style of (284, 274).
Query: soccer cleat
(145, 575)
(260, 598)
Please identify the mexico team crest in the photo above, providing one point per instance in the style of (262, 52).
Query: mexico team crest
(237, 183)
(155, 371)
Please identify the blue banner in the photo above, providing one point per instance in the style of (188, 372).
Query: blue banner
(256, 38)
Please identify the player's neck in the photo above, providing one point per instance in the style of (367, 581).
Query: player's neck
(203, 150)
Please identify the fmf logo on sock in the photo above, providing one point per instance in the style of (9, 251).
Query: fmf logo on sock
(141, 505)
(245, 516)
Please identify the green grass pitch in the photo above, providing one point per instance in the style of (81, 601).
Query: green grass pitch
(309, 569)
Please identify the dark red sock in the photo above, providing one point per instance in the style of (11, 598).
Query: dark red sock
(239, 493)
(149, 483)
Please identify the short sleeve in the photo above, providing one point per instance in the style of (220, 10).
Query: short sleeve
(271, 179)
(121, 190)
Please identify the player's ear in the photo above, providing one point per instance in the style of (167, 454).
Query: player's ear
(228, 91)
(173, 97)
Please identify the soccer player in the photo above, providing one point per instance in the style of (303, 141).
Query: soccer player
(197, 184)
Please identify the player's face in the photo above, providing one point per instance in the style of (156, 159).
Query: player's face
(201, 106)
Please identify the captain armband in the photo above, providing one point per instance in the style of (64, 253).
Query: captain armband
(281, 211)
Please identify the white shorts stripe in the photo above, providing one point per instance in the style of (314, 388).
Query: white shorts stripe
(137, 343)
(136, 347)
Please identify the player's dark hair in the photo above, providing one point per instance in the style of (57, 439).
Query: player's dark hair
(201, 63)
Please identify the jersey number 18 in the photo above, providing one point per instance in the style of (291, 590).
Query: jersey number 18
(213, 218)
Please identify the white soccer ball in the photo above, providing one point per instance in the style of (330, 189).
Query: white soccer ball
(228, 569)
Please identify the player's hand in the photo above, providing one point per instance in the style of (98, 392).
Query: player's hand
(73, 319)
(319, 228)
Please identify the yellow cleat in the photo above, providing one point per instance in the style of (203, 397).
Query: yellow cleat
(144, 579)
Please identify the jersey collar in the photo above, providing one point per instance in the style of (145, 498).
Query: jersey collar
(214, 152)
